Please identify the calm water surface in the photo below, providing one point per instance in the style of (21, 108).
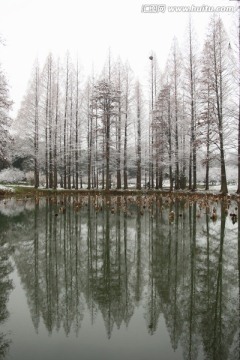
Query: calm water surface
(118, 278)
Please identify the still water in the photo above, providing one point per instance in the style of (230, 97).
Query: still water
(119, 278)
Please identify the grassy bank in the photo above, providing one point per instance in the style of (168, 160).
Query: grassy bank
(26, 191)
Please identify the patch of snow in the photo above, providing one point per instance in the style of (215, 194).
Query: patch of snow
(6, 188)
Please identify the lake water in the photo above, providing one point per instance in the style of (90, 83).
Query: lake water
(119, 278)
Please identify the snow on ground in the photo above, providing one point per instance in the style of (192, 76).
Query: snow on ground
(216, 188)
(6, 188)
(232, 188)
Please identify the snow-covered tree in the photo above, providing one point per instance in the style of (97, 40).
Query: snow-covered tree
(5, 121)
(220, 87)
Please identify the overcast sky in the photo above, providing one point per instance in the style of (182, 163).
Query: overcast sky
(33, 28)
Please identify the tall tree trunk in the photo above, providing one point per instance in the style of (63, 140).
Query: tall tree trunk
(139, 148)
(190, 168)
(96, 150)
(176, 123)
(65, 128)
(219, 99)
(238, 189)
(151, 127)
(125, 180)
(70, 150)
(170, 142)
(90, 117)
(192, 105)
(184, 165)
(119, 139)
(208, 143)
(77, 132)
(103, 167)
(55, 180)
(36, 131)
(50, 125)
(46, 134)
(119, 136)
(108, 180)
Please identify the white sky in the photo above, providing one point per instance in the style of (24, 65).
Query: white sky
(33, 28)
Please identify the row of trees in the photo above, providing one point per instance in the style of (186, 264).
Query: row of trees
(195, 111)
(76, 131)
(5, 105)
(101, 130)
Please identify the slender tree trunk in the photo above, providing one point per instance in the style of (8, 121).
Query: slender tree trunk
(119, 139)
(208, 144)
(151, 130)
(55, 180)
(238, 189)
(103, 167)
(46, 134)
(77, 133)
(125, 180)
(192, 104)
(96, 150)
(89, 145)
(170, 144)
(70, 150)
(190, 168)
(65, 129)
(50, 125)
(36, 131)
(161, 155)
(108, 180)
(176, 124)
(139, 149)
(193, 140)
(184, 165)
(219, 100)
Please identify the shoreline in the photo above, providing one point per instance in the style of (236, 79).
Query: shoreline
(22, 191)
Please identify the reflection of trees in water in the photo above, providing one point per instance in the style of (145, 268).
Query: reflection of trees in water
(194, 281)
(216, 286)
(5, 287)
(109, 267)
(116, 254)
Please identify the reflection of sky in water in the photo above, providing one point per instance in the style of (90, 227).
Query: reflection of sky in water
(11, 207)
(132, 342)
(160, 282)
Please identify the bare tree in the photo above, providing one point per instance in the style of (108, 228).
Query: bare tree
(5, 106)
(92, 101)
(55, 148)
(36, 128)
(106, 99)
(175, 83)
(139, 134)
(238, 188)
(191, 89)
(65, 125)
(77, 145)
(119, 128)
(219, 72)
(126, 95)
(207, 124)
